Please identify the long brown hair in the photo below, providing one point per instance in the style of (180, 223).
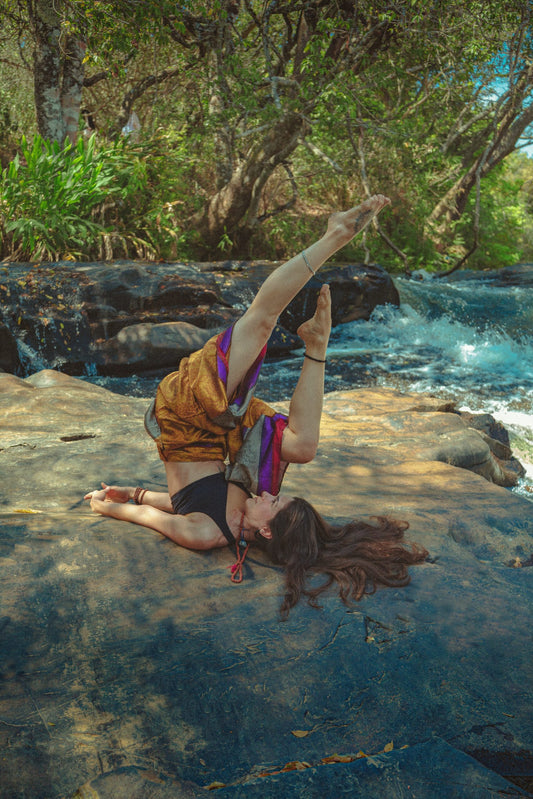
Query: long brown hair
(357, 556)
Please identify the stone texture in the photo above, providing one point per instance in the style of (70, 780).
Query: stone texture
(9, 357)
(127, 317)
(132, 663)
(434, 432)
(146, 346)
(429, 770)
(355, 292)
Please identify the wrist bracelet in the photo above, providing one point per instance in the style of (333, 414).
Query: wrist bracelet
(308, 265)
(138, 495)
(316, 360)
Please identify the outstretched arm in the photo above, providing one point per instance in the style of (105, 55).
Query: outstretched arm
(300, 438)
(178, 528)
(157, 499)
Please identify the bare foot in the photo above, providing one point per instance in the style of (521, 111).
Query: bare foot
(315, 331)
(347, 224)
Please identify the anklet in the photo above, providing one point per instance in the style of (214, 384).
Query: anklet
(308, 265)
(316, 360)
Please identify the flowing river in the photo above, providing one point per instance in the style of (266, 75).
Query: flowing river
(468, 340)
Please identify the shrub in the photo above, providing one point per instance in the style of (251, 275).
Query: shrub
(54, 201)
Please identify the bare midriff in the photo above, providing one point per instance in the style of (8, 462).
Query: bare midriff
(180, 473)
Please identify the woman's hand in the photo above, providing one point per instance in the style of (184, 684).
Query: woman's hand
(118, 493)
(107, 494)
(97, 499)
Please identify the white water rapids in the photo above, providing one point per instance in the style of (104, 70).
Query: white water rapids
(469, 341)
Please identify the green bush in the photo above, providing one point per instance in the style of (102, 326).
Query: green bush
(55, 202)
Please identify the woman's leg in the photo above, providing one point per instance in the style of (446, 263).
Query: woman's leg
(253, 329)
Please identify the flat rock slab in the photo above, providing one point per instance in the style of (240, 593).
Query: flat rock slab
(425, 771)
(124, 655)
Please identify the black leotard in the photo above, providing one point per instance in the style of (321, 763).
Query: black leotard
(208, 495)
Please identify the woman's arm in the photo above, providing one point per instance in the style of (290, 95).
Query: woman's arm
(179, 529)
(157, 499)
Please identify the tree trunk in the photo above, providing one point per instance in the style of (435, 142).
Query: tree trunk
(228, 210)
(46, 26)
(71, 86)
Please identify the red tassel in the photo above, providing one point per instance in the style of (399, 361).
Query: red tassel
(237, 568)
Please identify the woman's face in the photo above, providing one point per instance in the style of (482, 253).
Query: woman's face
(260, 510)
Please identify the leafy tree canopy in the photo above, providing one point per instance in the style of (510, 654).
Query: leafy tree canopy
(253, 110)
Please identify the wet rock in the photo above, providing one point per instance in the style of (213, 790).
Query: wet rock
(68, 316)
(355, 292)
(135, 286)
(9, 357)
(133, 666)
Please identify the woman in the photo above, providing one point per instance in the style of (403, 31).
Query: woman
(225, 452)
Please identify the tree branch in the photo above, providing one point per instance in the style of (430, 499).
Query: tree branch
(475, 243)
(320, 154)
(359, 149)
(92, 80)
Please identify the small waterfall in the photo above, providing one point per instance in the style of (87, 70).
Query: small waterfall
(30, 360)
(91, 370)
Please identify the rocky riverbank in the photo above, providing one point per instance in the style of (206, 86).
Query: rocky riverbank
(125, 317)
(132, 667)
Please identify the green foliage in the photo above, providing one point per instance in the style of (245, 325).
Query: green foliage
(54, 201)
(518, 171)
(502, 219)
(395, 103)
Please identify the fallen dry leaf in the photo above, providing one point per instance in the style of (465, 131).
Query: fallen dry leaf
(338, 759)
(296, 765)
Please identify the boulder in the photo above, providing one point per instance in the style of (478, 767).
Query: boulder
(145, 346)
(434, 433)
(516, 275)
(73, 316)
(133, 667)
(154, 347)
(9, 357)
(355, 291)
